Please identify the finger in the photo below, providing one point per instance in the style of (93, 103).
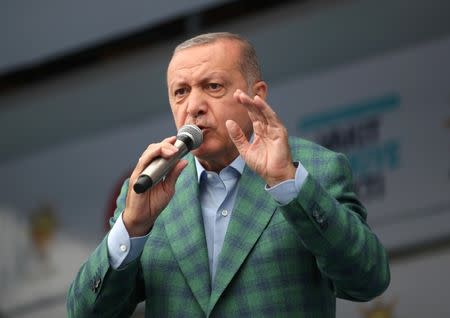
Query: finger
(170, 140)
(259, 129)
(164, 149)
(152, 153)
(237, 136)
(253, 110)
(173, 175)
(265, 109)
(259, 107)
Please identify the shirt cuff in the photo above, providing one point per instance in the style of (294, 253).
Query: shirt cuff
(284, 192)
(122, 249)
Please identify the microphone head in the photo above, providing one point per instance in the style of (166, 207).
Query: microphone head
(193, 133)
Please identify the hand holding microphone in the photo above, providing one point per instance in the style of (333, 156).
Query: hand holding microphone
(157, 171)
(189, 137)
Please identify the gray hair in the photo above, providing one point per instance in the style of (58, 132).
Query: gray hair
(248, 63)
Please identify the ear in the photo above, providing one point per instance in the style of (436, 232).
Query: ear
(260, 89)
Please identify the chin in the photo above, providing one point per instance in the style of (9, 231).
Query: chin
(202, 152)
(207, 151)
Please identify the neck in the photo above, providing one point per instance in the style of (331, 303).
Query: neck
(216, 165)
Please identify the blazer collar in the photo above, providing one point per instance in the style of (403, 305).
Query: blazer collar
(185, 231)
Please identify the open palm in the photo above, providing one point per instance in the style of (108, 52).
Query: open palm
(269, 154)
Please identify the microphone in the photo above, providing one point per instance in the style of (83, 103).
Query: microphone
(189, 137)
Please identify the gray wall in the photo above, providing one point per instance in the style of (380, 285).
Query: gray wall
(295, 40)
(37, 30)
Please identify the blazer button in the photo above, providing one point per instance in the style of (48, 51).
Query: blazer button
(320, 219)
(96, 285)
(315, 214)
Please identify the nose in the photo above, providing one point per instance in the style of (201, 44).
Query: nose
(197, 104)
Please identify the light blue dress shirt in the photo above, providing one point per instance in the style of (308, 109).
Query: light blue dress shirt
(217, 197)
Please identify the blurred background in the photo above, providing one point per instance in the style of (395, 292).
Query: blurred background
(82, 93)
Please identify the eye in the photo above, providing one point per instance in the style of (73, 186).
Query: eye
(214, 87)
(180, 92)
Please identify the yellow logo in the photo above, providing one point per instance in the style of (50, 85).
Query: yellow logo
(379, 309)
(43, 224)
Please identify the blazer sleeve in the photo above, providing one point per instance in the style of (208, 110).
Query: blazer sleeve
(100, 291)
(331, 222)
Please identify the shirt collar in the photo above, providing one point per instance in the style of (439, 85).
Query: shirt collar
(237, 164)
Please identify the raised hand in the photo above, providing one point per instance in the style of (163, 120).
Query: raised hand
(141, 210)
(269, 154)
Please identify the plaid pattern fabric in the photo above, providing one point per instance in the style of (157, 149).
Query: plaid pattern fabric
(289, 261)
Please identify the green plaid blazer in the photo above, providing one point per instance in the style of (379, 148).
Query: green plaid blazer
(276, 261)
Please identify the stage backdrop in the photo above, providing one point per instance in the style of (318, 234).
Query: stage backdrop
(389, 114)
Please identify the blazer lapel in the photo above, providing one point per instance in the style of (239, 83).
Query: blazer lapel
(252, 212)
(185, 231)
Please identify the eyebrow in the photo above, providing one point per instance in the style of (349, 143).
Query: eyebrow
(207, 78)
(213, 76)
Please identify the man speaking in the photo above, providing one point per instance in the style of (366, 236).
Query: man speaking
(252, 223)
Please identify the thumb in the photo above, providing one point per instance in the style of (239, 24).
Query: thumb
(237, 136)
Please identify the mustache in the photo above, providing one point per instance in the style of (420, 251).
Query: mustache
(199, 123)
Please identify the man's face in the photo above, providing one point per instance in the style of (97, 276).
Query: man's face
(201, 81)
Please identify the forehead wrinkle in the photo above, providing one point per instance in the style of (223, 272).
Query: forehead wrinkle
(183, 72)
(178, 63)
(174, 65)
